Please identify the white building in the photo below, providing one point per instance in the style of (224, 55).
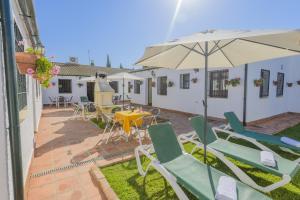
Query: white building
(257, 102)
(68, 84)
(29, 98)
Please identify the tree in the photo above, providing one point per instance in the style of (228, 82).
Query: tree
(108, 64)
(121, 66)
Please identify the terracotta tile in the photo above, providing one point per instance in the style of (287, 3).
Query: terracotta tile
(40, 181)
(43, 192)
(66, 184)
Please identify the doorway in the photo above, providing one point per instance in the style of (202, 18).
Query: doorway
(90, 90)
(149, 91)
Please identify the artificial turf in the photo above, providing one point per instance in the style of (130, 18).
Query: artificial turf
(128, 184)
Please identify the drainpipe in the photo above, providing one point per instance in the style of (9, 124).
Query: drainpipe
(12, 101)
(245, 95)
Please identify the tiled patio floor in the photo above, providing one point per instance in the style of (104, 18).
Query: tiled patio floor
(62, 142)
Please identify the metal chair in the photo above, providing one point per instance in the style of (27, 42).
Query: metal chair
(53, 102)
(111, 123)
(141, 127)
(116, 109)
(155, 113)
(68, 101)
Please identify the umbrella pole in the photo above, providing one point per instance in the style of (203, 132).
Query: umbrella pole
(123, 92)
(205, 100)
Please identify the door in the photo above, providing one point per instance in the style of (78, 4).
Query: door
(149, 91)
(90, 90)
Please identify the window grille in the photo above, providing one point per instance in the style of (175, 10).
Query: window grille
(217, 84)
(162, 85)
(64, 86)
(280, 84)
(264, 88)
(137, 87)
(185, 81)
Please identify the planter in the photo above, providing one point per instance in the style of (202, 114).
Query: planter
(289, 84)
(233, 82)
(258, 82)
(275, 83)
(153, 84)
(80, 85)
(170, 84)
(25, 61)
(194, 80)
(298, 82)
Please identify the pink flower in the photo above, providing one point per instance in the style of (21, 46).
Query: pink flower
(55, 70)
(30, 71)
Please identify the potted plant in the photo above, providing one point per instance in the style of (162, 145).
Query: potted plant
(289, 84)
(235, 82)
(258, 82)
(194, 80)
(153, 84)
(26, 61)
(298, 82)
(38, 66)
(196, 70)
(80, 85)
(170, 84)
(275, 83)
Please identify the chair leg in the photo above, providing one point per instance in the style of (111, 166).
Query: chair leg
(110, 133)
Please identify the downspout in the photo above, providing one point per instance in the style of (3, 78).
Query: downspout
(12, 101)
(245, 95)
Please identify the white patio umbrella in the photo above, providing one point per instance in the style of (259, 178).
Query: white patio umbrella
(219, 48)
(87, 79)
(123, 76)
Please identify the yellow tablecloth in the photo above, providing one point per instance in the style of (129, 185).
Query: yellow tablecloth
(127, 118)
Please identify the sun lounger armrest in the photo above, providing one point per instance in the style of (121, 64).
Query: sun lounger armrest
(253, 141)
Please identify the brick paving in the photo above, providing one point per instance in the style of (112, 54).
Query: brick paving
(62, 141)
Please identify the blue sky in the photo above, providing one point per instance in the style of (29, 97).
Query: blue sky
(123, 28)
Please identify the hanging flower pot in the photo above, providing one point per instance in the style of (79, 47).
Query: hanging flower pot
(298, 82)
(194, 80)
(258, 82)
(80, 85)
(289, 84)
(153, 84)
(26, 62)
(170, 84)
(275, 83)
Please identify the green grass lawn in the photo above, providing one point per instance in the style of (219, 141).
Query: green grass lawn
(128, 184)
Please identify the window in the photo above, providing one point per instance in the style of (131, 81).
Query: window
(21, 78)
(264, 88)
(217, 84)
(184, 81)
(280, 84)
(64, 86)
(114, 85)
(129, 87)
(162, 85)
(137, 87)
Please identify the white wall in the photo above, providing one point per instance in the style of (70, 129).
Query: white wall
(190, 100)
(76, 90)
(5, 174)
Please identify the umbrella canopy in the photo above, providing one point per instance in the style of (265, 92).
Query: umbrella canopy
(123, 75)
(225, 48)
(218, 48)
(87, 79)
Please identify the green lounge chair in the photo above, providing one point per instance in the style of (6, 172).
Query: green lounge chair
(237, 127)
(180, 168)
(220, 147)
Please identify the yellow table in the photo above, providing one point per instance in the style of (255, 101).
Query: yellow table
(127, 117)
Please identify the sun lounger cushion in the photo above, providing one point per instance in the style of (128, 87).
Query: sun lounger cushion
(226, 189)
